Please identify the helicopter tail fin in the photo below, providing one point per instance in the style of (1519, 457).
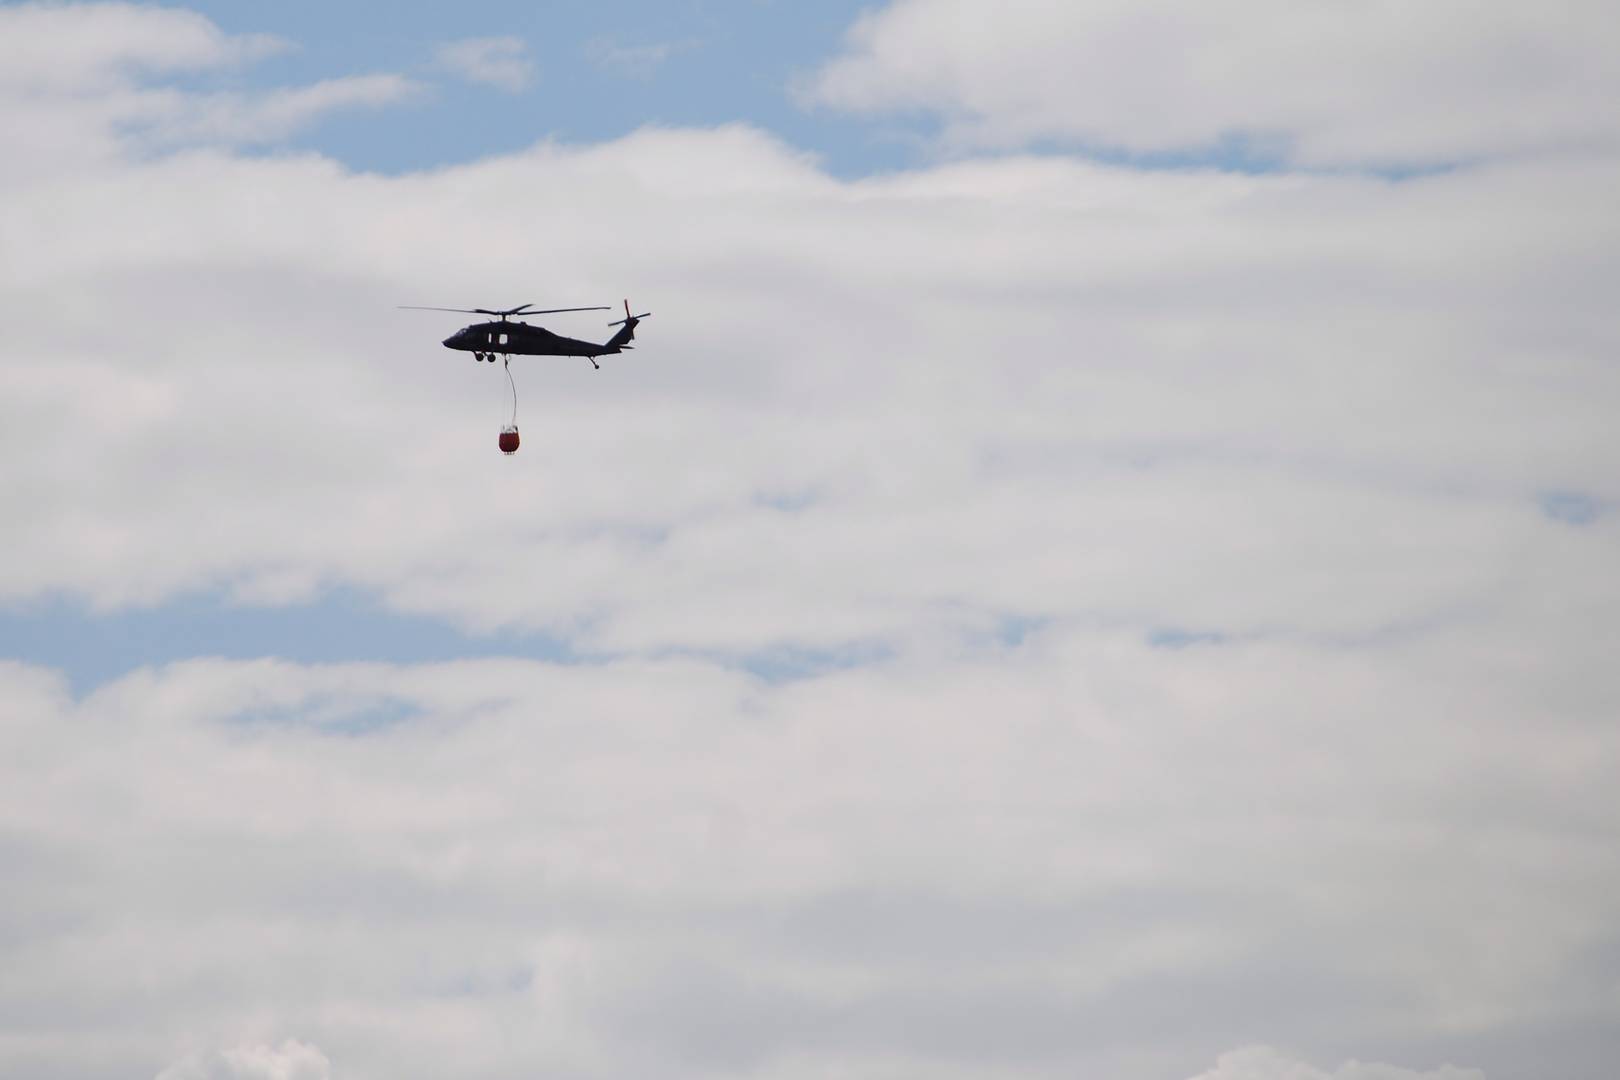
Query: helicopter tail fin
(622, 339)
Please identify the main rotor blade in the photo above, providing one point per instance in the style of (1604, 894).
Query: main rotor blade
(500, 314)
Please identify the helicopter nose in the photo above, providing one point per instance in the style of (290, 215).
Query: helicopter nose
(452, 341)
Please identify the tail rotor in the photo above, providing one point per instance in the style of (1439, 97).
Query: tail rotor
(629, 319)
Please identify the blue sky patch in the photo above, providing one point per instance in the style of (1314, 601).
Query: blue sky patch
(792, 663)
(1173, 637)
(350, 716)
(1012, 630)
(345, 625)
(1571, 507)
(599, 71)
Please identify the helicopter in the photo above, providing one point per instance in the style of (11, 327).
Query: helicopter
(503, 337)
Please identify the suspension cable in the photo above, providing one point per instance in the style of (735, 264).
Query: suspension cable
(513, 383)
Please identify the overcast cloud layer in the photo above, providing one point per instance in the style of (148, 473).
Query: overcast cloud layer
(1030, 617)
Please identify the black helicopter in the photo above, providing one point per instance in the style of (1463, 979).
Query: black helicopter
(504, 337)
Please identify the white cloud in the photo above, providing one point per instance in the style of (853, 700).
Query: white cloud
(1264, 1063)
(633, 61)
(497, 61)
(81, 87)
(80, 48)
(1259, 405)
(1320, 82)
(292, 1060)
(272, 116)
(1031, 861)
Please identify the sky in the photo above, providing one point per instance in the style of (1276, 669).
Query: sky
(1102, 564)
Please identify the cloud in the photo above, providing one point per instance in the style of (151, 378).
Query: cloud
(292, 1060)
(1083, 857)
(633, 61)
(501, 62)
(83, 85)
(1313, 83)
(82, 48)
(272, 116)
(1264, 1063)
(1223, 405)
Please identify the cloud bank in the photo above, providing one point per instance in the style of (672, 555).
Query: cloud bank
(1319, 83)
(1084, 856)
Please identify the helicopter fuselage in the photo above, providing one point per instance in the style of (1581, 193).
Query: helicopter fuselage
(520, 339)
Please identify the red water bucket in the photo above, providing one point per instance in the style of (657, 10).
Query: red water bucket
(509, 439)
